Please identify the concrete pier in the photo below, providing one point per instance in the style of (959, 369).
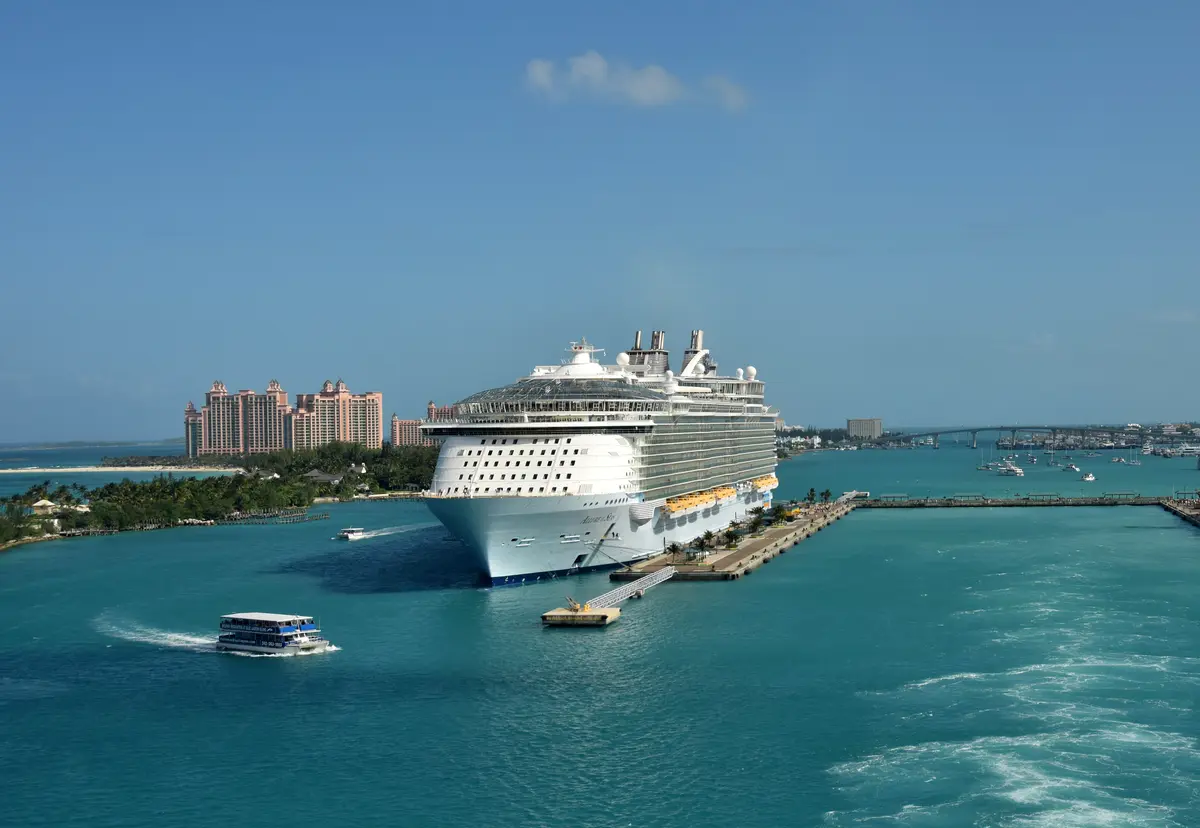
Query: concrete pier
(753, 552)
(979, 501)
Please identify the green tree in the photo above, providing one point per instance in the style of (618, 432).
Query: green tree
(826, 495)
(811, 497)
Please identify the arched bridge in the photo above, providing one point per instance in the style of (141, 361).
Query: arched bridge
(1111, 432)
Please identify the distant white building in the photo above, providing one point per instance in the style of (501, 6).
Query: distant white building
(865, 429)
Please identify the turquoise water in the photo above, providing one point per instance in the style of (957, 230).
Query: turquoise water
(934, 668)
(950, 471)
(75, 456)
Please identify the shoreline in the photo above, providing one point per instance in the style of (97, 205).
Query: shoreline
(117, 469)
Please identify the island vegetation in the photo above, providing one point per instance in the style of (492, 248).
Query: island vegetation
(265, 483)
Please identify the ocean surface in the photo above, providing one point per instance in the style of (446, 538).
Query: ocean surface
(12, 457)
(1001, 667)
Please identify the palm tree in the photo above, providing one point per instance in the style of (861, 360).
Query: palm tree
(707, 541)
(730, 537)
(757, 511)
(756, 524)
(826, 495)
(674, 549)
(811, 497)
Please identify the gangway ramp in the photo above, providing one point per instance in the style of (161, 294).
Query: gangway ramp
(602, 610)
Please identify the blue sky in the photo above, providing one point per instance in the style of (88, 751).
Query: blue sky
(933, 212)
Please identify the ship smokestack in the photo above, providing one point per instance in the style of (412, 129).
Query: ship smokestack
(637, 341)
(699, 335)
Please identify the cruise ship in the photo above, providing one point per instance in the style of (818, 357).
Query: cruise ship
(586, 465)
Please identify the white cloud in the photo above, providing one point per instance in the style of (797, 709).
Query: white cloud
(591, 75)
(540, 74)
(728, 94)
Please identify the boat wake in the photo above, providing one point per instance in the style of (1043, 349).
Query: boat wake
(114, 627)
(394, 530)
(1075, 738)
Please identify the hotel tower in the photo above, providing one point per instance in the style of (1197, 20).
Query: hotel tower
(252, 423)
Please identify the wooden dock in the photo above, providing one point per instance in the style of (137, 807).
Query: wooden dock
(603, 610)
(274, 519)
(751, 553)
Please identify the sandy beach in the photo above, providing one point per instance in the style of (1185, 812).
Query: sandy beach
(116, 469)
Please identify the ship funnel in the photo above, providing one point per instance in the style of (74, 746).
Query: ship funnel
(637, 341)
(699, 340)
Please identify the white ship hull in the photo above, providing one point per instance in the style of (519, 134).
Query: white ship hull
(518, 540)
(318, 646)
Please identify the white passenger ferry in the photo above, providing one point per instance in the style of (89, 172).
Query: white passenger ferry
(351, 534)
(583, 465)
(270, 633)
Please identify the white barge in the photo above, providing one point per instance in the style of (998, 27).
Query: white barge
(270, 633)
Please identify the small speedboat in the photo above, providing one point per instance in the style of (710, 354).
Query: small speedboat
(1088, 478)
(351, 534)
(1071, 467)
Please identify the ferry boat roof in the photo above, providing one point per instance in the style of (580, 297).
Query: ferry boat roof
(273, 617)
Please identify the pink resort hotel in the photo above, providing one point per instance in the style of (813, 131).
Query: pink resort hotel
(251, 423)
(408, 432)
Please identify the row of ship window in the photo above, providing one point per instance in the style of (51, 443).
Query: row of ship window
(511, 452)
(517, 440)
(509, 463)
(514, 477)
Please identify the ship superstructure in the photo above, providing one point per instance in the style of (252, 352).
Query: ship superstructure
(584, 465)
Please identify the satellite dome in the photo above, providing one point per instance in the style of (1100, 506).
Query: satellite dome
(669, 374)
(739, 373)
(751, 372)
(622, 359)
